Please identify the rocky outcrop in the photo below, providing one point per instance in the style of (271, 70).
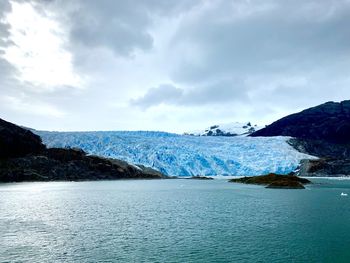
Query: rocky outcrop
(325, 167)
(201, 177)
(328, 122)
(25, 158)
(274, 181)
(321, 148)
(16, 141)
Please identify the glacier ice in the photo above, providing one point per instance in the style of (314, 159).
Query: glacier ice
(183, 155)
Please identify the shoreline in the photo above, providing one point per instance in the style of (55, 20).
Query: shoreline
(325, 177)
(179, 178)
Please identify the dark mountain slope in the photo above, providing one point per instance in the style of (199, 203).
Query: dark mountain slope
(16, 141)
(328, 122)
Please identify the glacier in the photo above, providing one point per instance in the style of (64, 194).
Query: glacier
(184, 155)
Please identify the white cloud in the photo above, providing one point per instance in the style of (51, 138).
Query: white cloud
(38, 50)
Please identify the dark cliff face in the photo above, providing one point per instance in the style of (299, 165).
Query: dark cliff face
(328, 122)
(321, 148)
(17, 142)
(325, 167)
(23, 157)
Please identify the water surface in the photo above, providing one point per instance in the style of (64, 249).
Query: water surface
(173, 221)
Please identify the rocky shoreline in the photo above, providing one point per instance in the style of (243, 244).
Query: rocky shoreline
(197, 177)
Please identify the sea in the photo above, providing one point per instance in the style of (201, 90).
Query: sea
(174, 220)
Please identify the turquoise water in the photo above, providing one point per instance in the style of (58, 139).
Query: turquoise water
(173, 221)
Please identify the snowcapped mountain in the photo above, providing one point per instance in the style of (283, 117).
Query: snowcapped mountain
(229, 129)
(181, 155)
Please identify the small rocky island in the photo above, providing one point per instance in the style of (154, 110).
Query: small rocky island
(274, 181)
(23, 157)
(198, 177)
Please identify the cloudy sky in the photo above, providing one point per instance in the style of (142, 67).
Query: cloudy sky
(169, 65)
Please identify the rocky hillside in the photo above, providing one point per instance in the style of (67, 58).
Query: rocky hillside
(23, 157)
(328, 122)
(325, 167)
(322, 131)
(17, 142)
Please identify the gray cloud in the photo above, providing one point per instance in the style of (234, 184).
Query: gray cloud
(122, 26)
(7, 71)
(227, 91)
(165, 93)
(289, 54)
(218, 92)
(5, 7)
(119, 27)
(251, 37)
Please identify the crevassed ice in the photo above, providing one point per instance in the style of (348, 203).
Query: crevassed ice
(181, 155)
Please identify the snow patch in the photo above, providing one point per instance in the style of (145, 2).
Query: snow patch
(228, 129)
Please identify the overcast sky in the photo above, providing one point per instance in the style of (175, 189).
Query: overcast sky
(169, 65)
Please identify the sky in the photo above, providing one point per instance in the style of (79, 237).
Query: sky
(169, 65)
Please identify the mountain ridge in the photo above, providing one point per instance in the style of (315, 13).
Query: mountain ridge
(329, 122)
